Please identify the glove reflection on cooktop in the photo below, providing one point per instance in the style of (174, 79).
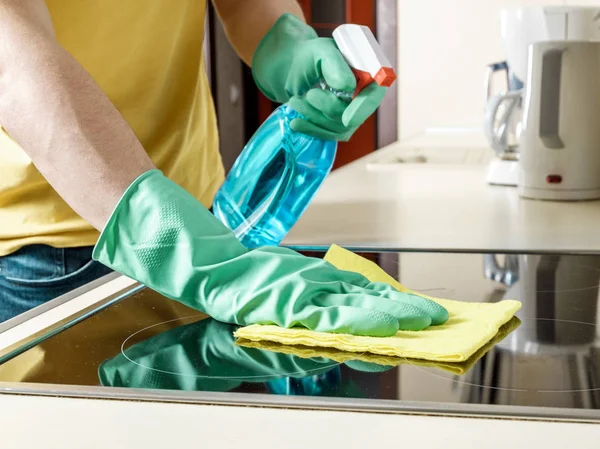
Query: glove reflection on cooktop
(203, 356)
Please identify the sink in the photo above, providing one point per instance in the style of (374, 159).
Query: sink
(436, 146)
(433, 156)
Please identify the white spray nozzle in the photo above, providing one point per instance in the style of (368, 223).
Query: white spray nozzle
(364, 55)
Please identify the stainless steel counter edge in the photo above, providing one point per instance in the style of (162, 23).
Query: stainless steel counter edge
(37, 311)
(391, 248)
(307, 403)
(71, 320)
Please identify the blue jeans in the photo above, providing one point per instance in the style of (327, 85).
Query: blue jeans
(36, 274)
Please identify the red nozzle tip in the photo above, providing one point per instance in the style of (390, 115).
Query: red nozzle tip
(385, 77)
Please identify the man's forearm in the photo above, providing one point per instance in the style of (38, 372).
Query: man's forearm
(247, 21)
(61, 118)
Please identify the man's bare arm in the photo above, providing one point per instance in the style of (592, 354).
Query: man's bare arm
(61, 118)
(247, 21)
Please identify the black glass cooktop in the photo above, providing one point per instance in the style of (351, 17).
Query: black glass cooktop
(547, 360)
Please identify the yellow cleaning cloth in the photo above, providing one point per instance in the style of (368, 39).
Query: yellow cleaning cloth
(469, 328)
(457, 368)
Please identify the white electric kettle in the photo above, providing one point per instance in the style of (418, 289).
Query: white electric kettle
(519, 28)
(560, 142)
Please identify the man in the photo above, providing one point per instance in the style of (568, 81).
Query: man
(109, 126)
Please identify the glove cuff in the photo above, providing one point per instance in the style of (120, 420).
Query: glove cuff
(156, 228)
(108, 238)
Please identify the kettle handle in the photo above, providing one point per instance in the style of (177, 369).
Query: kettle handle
(507, 274)
(497, 136)
(490, 69)
(550, 98)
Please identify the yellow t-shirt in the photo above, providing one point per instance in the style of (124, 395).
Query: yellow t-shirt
(147, 56)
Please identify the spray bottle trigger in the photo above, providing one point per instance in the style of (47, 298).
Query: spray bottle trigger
(385, 78)
(363, 79)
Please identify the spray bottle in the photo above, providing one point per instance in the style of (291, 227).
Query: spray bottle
(280, 170)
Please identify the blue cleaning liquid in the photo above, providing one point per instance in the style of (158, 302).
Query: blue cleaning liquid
(273, 181)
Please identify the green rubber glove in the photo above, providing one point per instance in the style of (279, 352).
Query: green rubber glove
(202, 356)
(164, 238)
(291, 60)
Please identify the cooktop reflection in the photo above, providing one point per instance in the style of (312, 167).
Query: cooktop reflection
(549, 356)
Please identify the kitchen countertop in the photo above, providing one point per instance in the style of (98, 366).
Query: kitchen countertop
(72, 422)
(100, 424)
(444, 204)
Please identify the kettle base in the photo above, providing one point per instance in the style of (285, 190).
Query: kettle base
(503, 172)
(559, 194)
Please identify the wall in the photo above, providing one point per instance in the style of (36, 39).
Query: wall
(443, 48)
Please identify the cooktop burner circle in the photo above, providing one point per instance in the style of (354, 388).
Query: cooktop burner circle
(521, 345)
(326, 365)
